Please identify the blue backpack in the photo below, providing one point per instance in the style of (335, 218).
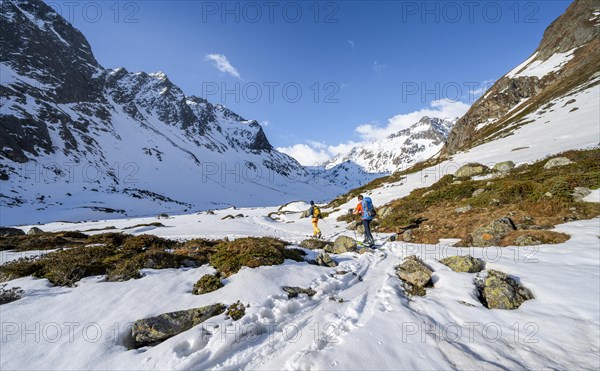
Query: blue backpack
(368, 209)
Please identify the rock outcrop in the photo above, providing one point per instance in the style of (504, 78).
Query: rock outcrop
(156, 329)
(500, 291)
(415, 275)
(465, 263)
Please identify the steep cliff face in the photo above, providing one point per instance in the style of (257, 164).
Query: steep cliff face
(566, 58)
(77, 136)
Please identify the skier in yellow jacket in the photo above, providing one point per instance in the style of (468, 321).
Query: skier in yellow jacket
(315, 213)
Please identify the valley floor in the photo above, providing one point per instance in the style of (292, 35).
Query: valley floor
(357, 320)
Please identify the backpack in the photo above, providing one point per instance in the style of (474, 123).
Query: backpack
(368, 207)
(317, 212)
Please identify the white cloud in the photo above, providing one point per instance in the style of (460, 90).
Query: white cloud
(351, 42)
(440, 108)
(265, 123)
(313, 153)
(305, 154)
(222, 63)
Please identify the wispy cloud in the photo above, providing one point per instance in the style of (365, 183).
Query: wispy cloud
(378, 67)
(351, 42)
(222, 64)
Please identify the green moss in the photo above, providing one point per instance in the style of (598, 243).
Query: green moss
(236, 310)
(250, 252)
(208, 283)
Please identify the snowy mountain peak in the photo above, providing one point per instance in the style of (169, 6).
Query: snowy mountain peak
(399, 150)
(152, 147)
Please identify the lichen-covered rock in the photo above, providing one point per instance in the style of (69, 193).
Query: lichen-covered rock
(465, 263)
(470, 170)
(314, 244)
(236, 310)
(293, 291)
(579, 193)
(491, 234)
(207, 283)
(156, 329)
(415, 275)
(341, 245)
(504, 167)
(527, 240)
(324, 260)
(407, 235)
(556, 162)
(463, 209)
(500, 291)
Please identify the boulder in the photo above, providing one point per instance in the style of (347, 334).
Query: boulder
(427, 193)
(556, 162)
(407, 236)
(465, 263)
(463, 209)
(356, 226)
(293, 291)
(470, 170)
(207, 283)
(504, 167)
(226, 217)
(341, 245)
(35, 231)
(477, 192)
(494, 202)
(324, 260)
(415, 275)
(304, 214)
(315, 244)
(491, 234)
(156, 329)
(527, 240)
(11, 232)
(500, 291)
(579, 193)
(384, 211)
(162, 216)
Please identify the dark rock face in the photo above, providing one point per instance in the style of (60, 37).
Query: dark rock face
(573, 29)
(50, 64)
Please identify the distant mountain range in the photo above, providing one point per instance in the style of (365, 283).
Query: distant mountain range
(400, 150)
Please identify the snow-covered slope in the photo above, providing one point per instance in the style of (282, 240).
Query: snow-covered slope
(399, 151)
(79, 141)
(566, 57)
(375, 325)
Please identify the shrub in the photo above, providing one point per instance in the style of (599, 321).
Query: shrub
(250, 252)
(207, 283)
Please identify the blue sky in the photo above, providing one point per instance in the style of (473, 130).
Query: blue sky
(320, 76)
